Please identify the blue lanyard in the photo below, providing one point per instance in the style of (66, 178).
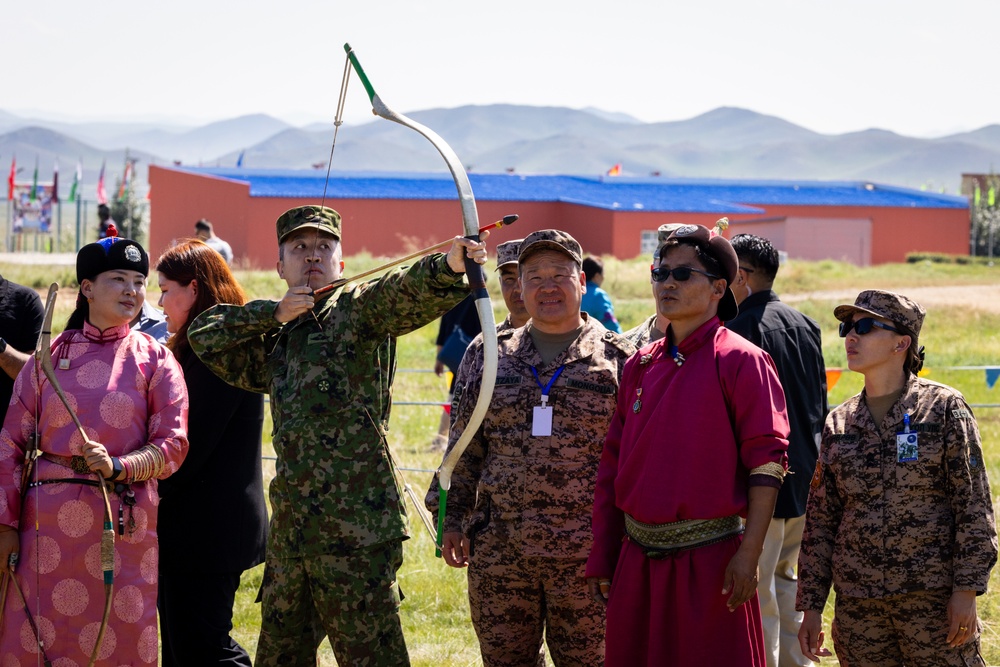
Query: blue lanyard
(546, 388)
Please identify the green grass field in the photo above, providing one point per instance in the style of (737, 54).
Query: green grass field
(435, 612)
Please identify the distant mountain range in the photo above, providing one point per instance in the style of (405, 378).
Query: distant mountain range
(724, 143)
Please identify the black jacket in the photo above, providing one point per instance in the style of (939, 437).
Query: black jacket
(21, 315)
(212, 516)
(794, 342)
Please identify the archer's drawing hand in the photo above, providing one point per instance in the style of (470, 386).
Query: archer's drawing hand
(297, 300)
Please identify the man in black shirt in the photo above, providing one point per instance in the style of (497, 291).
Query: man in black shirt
(21, 315)
(793, 341)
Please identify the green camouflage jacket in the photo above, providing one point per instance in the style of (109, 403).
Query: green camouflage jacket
(330, 380)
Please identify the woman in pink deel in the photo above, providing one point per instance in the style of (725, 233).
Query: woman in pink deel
(129, 393)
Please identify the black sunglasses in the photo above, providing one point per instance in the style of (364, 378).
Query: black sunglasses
(863, 326)
(681, 274)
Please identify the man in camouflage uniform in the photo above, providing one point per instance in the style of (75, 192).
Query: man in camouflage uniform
(338, 517)
(900, 516)
(520, 500)
(655, 326)
(510, 286)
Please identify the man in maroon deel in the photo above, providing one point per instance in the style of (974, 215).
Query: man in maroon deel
(689, 475)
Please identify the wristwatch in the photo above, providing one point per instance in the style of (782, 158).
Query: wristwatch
(3, 346)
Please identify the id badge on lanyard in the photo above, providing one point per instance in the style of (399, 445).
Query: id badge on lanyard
(907, 443)
(541, 418)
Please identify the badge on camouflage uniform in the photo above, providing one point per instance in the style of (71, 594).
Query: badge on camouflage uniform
(817, 475)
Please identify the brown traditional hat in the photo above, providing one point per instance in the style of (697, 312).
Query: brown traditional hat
(896, 308)
(507, 252)
(309, 217)
(550, 239)
(720, 249)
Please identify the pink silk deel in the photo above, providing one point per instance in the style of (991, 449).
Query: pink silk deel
(128, 391)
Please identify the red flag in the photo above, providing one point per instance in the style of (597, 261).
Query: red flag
(123, 188)
(102, 195)
(10, 179)
(615, 170)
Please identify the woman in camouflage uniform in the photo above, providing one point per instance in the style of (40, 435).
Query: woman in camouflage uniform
(899, 517)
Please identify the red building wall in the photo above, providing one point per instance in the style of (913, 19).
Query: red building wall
(387, 227)
(895, 231)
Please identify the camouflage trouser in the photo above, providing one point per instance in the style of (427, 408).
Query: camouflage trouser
(905, 629)
(514, 598)
(353, 599)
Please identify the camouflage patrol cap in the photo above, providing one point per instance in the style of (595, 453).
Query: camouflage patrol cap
(507, 252)
(309, 217)
(550, 239)
(896, 308)
(662, 233)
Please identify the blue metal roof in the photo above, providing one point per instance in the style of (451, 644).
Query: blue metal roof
(612, 193)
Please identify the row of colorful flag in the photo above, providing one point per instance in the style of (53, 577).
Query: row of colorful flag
(992, 374)
(74, 190)
(991, 196)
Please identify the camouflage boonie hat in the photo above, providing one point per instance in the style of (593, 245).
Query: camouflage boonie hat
(507, 253)
(550, 239)
(896, 308)
(662, 233)
(311, 217)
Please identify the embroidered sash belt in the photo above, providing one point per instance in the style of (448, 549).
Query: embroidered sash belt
(666, 539)
(75, 463)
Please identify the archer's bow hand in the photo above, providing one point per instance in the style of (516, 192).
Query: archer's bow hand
(297, 300)
(461, 245)
(97, 458)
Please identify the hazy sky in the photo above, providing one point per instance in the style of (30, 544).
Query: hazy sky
(917, 67)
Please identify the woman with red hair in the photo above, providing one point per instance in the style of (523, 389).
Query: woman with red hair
(213, 521)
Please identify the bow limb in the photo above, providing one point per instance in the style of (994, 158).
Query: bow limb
(477, 281)
(44, 357)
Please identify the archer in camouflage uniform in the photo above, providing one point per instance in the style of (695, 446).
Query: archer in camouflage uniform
(520, 505)
(900, 516)
(338, 518)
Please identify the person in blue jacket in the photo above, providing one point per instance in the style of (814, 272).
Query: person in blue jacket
(596, 301)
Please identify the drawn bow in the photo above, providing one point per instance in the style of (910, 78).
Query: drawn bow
(108, 536)
(477, 281)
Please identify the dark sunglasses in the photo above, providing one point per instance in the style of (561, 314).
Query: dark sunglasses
(681, 274)
(863, 326)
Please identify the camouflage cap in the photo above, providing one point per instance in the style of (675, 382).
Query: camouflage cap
(896, 308)
(550, 239)
(312, 217)
(662, 234)
(507, 252)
